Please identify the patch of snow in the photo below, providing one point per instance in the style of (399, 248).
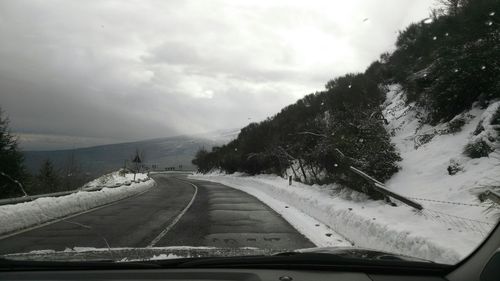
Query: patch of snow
(365, 223)
(424, 171)
(21, 216)
(164, 257)
(114, 178)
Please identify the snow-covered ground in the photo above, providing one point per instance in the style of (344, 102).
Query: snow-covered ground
(424, 170)
(453, 222)
(16, 217)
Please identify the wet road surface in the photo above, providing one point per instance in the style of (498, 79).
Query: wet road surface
(177, 212)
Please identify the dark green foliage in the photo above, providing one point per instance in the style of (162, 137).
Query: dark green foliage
(478, 149)
(356, 129)
(444, 66)
(455, 125)
(346, 116)
(479, 129)
(451, 63)
(202, 161)
(47, 180)
(11, 162)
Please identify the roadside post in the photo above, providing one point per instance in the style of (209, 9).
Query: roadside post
(289, 180)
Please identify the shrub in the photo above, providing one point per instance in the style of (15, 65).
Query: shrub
(454, 167)
(455, 125)
(479, 129)
(478, 149)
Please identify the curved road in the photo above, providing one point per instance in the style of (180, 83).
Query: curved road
(174, 213)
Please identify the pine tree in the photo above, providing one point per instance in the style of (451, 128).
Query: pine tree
(47, 179)
(11, 162)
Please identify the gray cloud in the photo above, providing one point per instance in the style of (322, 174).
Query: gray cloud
(89, 72)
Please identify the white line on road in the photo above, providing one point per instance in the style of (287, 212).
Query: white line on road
(172, 224)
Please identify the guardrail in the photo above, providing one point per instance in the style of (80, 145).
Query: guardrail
(376, 185)
(28, 198)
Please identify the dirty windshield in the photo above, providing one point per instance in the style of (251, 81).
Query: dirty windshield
(155, 130)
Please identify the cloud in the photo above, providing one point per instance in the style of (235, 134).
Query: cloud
(130, 70)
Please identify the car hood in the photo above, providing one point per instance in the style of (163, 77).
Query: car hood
(135, 254)
(177, 252)
(360, 253)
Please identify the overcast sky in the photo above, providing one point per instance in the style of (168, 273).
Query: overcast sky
(80, 73)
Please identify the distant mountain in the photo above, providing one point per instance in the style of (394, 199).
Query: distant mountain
(163, 152)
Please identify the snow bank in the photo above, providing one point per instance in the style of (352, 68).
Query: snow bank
(20, 216)
(453, 222)
(424, 170)
(348, 215)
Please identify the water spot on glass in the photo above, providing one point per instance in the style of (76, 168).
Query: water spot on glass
(361, 140)
(428, 20)
(335, 165)
(489, 23)
(349, 86)
(365, 19)
(492, 14)
(483, 67)
(434, 38)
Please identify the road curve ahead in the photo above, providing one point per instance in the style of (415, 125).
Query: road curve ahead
(221, 216)
(174, 213)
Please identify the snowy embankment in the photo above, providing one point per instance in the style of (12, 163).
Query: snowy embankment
(16, 217)
(453, 221)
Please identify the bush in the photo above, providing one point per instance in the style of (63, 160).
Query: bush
(454, 167)
(479, 128)
(455, 125)
(11, 162)
(478, 149)
(446, 66)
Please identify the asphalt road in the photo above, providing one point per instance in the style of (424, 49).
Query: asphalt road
(175, 213)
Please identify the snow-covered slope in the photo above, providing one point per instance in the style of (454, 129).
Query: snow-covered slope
(453, 221)
(425, 166)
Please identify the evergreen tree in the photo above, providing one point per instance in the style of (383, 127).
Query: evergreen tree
(48, 180)
(11, 162)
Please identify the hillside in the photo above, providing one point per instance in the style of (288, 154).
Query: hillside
(443, 67)
(164, 152)
(434, 171)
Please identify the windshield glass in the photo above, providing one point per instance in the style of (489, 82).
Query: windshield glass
(139, 130)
